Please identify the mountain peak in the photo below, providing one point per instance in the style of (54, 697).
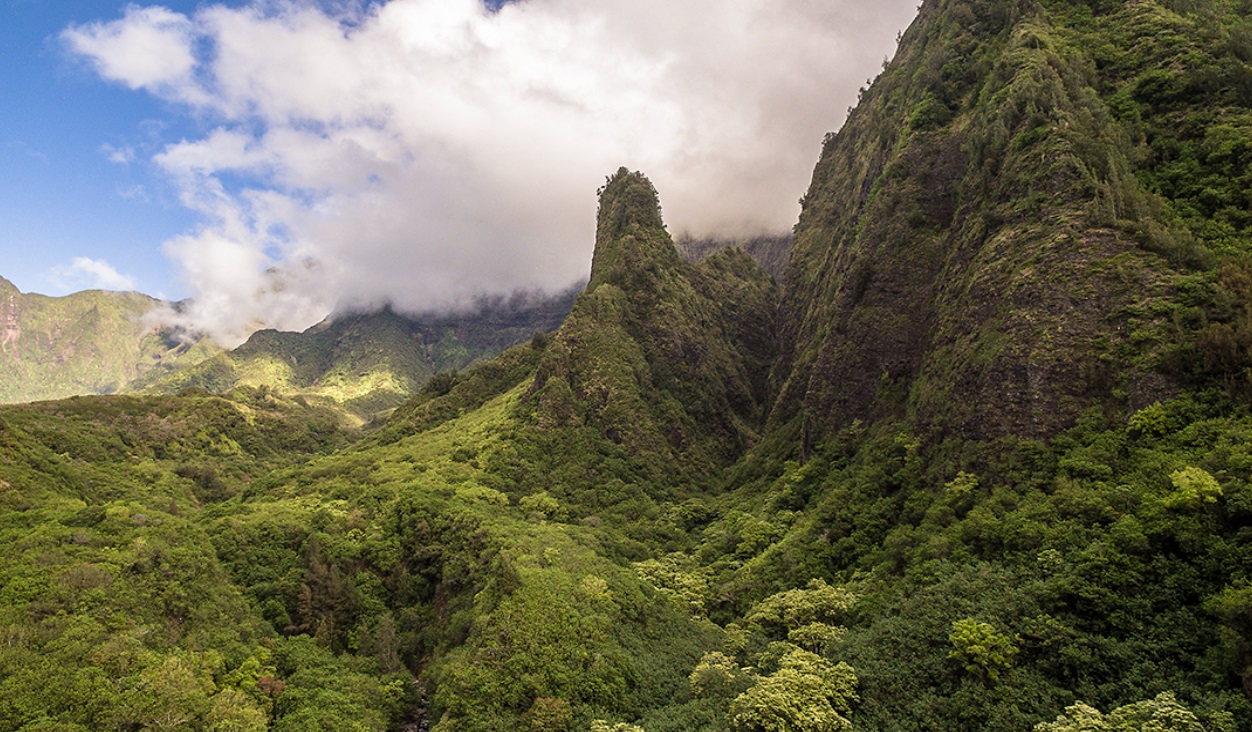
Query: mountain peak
(630, 234)
(661, 356)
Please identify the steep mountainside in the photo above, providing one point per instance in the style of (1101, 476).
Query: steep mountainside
(985, 463)
(996, 240)
(1013, 373)
(660, 356)
(366, 363)
(87, 343)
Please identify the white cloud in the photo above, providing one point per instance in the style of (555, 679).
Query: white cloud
(84, 273)
(118, 155)
(150, 48)
(425, 151)
(134, 193)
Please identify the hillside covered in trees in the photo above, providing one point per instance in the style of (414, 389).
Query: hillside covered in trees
(981, 459)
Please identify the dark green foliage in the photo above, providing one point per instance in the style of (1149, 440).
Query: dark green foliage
(1089, 563)
(990, 466)
(117, 613)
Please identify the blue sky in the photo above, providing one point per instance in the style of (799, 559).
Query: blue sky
(275, 160)
(60, 196)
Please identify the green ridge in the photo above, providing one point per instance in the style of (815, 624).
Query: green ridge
(92, 342)
(365, 364)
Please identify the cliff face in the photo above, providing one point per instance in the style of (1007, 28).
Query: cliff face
(978, 251)
(10, 321)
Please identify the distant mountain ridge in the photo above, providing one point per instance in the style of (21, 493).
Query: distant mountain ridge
(366, 363)
(770, 251)
(92, 342)
(361, 363)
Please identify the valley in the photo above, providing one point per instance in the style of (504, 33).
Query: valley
(979, 457)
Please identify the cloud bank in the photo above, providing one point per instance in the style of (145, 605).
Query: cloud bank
(85, 273)
(423, 152)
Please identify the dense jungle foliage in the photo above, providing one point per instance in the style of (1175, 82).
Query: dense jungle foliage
(984, 462)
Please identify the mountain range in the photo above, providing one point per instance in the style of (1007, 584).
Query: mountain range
(361, 364)
(980, 458)
(93, 342)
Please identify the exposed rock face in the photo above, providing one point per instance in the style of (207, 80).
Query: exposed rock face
(10, 326)
(981, 262)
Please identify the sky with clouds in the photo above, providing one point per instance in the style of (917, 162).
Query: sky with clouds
(277, 159)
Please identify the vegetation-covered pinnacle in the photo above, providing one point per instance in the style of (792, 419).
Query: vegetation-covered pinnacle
(630, 233)
(659, 355)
